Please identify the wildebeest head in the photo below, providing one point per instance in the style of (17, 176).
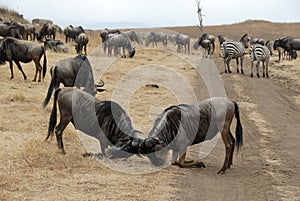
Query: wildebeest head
(155, 150)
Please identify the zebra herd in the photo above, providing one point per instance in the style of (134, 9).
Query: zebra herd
(260, 51)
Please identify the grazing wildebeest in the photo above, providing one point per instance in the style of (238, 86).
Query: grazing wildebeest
(181, 126)
(41, 22)
(234, 50)
(257, 41)
(104, 120)
(55, 45)
(80, 43)
(47, 30)
(16, 50)
(9, 31)
(292, 45)
(155, 37)
(132, 35)
(280, 45)
(260, 53)
(72, 32)
(75, 71)
(182, 40)
(117, 41)
(211, 38)
(205, 44)
(104, 34)
(30, 31)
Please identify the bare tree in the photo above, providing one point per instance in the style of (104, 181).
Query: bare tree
(200, 15)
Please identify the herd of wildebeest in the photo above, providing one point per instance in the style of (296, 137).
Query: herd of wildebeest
(176, 128)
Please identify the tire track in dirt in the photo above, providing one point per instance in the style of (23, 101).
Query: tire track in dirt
(268, 106)
(266, 169)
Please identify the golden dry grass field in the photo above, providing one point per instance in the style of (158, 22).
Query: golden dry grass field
(265, 169)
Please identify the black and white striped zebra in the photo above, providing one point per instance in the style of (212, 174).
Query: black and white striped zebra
(260, 53)
(234, 50)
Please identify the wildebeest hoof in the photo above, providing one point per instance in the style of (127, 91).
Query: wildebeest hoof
(242, 72)
(251, 75)
(61, 151)
(222, 171)
(87, 154)
(201, 165)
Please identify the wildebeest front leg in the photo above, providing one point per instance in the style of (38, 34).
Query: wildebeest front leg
(188, 164)
(19, 67)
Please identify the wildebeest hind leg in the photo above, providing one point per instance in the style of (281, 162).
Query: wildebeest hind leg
(20, 68)
(229, 148)
(59, 131)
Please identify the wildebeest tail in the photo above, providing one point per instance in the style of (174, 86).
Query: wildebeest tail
(44, 63)
(239, 128)
(51, 87)
(53, 115)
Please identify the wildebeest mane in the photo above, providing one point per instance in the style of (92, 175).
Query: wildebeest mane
(114, 121)
(184, 118)
(168, 124)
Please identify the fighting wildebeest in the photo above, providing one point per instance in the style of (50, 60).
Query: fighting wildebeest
(181, 126)
(15, 50)
(182, 40)
(75, 71)
(117, 41)
(55, 45)
(104, 120)
(80, 43)
(155, 37)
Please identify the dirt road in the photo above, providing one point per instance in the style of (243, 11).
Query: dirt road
(267, 168)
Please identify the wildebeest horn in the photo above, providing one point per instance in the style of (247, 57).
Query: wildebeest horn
(100, 83)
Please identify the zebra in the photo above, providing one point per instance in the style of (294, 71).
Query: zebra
(261, 53)
(234, 50)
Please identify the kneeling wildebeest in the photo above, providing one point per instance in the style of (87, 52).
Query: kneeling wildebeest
(103, 120)
(12, 49)
(184, 125)
(75, 71)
